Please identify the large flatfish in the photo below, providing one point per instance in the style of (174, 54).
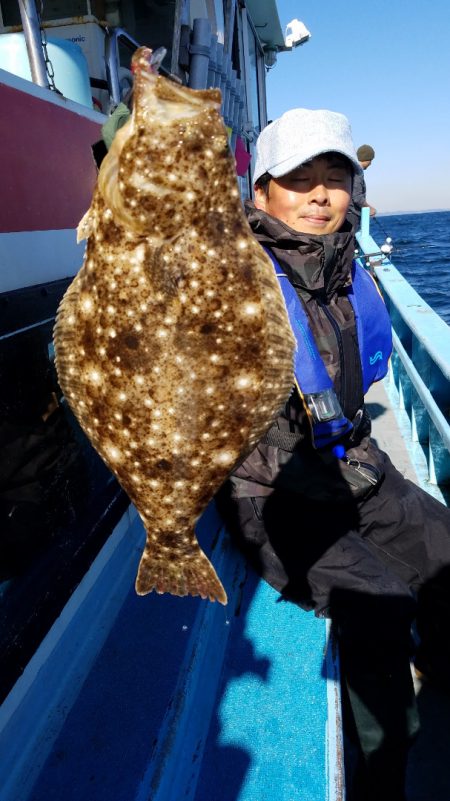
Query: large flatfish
(173, 345)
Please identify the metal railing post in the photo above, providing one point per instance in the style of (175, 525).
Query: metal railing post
(199, 50)
(212, 68)
(32, 33)
(219, 62)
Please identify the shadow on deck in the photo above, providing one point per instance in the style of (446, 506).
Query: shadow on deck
(429, 763)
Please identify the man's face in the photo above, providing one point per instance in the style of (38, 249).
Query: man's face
(313, 198)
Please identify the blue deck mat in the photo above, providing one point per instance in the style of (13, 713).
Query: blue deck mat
(267, 741)
(105, 746)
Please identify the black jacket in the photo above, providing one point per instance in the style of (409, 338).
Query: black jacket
(320, 270)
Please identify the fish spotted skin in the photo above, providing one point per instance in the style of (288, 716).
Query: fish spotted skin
(173, 345)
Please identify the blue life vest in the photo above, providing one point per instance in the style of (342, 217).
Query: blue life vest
(374, 334)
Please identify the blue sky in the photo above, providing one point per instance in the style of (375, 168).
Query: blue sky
(386, 65)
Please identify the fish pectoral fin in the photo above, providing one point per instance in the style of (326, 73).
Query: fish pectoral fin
(178, 574)
(85, 226)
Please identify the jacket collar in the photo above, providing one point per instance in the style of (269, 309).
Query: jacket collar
(319, 265)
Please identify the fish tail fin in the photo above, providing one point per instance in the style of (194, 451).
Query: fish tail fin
(165, 572)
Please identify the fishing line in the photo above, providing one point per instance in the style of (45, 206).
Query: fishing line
(375, 219)
(389, 246)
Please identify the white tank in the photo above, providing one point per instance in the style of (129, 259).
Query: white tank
(69, 65)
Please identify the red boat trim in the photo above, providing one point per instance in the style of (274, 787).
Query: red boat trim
(48, 171)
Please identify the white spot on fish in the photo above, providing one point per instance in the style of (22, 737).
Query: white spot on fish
(250, 309)
(114, 453)
(87, 304)
(244, 381)
(95, 377)
(225, 457)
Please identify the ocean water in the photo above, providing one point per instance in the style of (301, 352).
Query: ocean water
(421, 253)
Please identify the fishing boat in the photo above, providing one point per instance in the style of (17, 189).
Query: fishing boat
(104, 694)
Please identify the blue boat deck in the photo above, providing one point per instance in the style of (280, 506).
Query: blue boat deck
(113, 743)
(166, 699)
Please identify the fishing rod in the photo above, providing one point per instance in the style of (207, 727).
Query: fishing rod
(388, 247)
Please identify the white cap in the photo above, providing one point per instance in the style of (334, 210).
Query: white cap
(300, 135)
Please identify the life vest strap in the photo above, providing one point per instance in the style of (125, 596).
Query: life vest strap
(311, 376)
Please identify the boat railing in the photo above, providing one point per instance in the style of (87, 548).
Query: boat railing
(418, 384)
(112, 59)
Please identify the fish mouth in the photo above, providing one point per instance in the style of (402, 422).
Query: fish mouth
(180, 102)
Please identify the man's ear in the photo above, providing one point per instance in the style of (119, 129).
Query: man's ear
(260, 198)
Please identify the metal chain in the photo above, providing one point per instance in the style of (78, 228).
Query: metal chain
(48, 64)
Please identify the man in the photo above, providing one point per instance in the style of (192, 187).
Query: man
(320, 511)
(366, 155)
